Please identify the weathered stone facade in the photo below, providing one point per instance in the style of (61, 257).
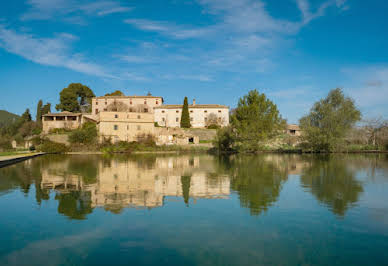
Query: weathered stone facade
(135, 104)
(66, 120)
(201, 115)
(125, 126)
(293, 130)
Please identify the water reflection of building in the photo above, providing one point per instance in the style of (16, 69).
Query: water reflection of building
(139, 183)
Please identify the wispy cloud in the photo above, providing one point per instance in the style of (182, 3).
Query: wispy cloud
(199, 77)
(49, 51)
(172, 30)
(71, 10)
(373, 91)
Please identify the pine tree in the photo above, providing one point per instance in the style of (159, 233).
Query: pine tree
(46, 109)
(39, 111)
(26, 116)
(185, 118)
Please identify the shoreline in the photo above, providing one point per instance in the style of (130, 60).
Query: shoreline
(12, 159)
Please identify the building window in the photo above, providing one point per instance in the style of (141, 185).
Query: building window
(96, 103)
(106, 102)
(105, 109)
(163, 119)
(219, 111)
(205, 111)
(177, 119)
(96, 111)
(191, 111)
(130, 102)
(157, 102)
(292, 132)
(205, 119)
(130, 110)
(115, 127)
(145, 102)
(116, 116)
(219, 119)
(163, 112)
(177, 111)
(191, 119)
(145, 110)
(138, 117)
(138, 127)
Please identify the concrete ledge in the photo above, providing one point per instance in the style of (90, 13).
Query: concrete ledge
(8, 160)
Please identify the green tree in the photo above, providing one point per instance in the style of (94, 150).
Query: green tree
(115, 93)
(39, 111)
(26, 116)
(46, 109)
(329, 121)
(185, 118)
(75, 96)
(255, 120)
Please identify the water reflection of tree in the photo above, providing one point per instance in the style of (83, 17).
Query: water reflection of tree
(332, 182)
(74, 204)
(257, 181)
(22, 176)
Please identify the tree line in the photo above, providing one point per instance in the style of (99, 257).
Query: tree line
(332, 125)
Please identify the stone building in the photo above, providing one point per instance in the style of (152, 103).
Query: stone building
(293, 130)
(128, 118)
(201, 115)
(135, 104)
(65, 120)
(124, 126)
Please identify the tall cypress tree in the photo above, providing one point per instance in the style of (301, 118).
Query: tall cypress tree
(39, 111)
(185, 118)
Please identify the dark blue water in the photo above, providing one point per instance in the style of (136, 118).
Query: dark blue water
(195, 210)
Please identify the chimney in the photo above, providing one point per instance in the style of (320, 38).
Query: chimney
(193, 102)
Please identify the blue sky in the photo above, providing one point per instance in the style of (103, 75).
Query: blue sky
(211, 50)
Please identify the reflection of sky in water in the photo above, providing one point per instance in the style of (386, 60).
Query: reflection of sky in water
(243, 210)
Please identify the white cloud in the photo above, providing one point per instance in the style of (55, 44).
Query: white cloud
(169, 29)
(71, 10)
(48, 51)
(304, 7)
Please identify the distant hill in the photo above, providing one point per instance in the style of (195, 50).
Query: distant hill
(7, 118)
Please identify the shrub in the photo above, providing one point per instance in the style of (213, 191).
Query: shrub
(5, 144)
(213, 126)
(52, 147)
(85, 135)
(59, 130)
(225, 139)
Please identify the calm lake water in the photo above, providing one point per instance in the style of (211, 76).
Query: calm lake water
(195, 210)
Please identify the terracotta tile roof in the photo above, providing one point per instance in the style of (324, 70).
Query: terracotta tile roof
(293, 127)
(65, 113)
(179, 106)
